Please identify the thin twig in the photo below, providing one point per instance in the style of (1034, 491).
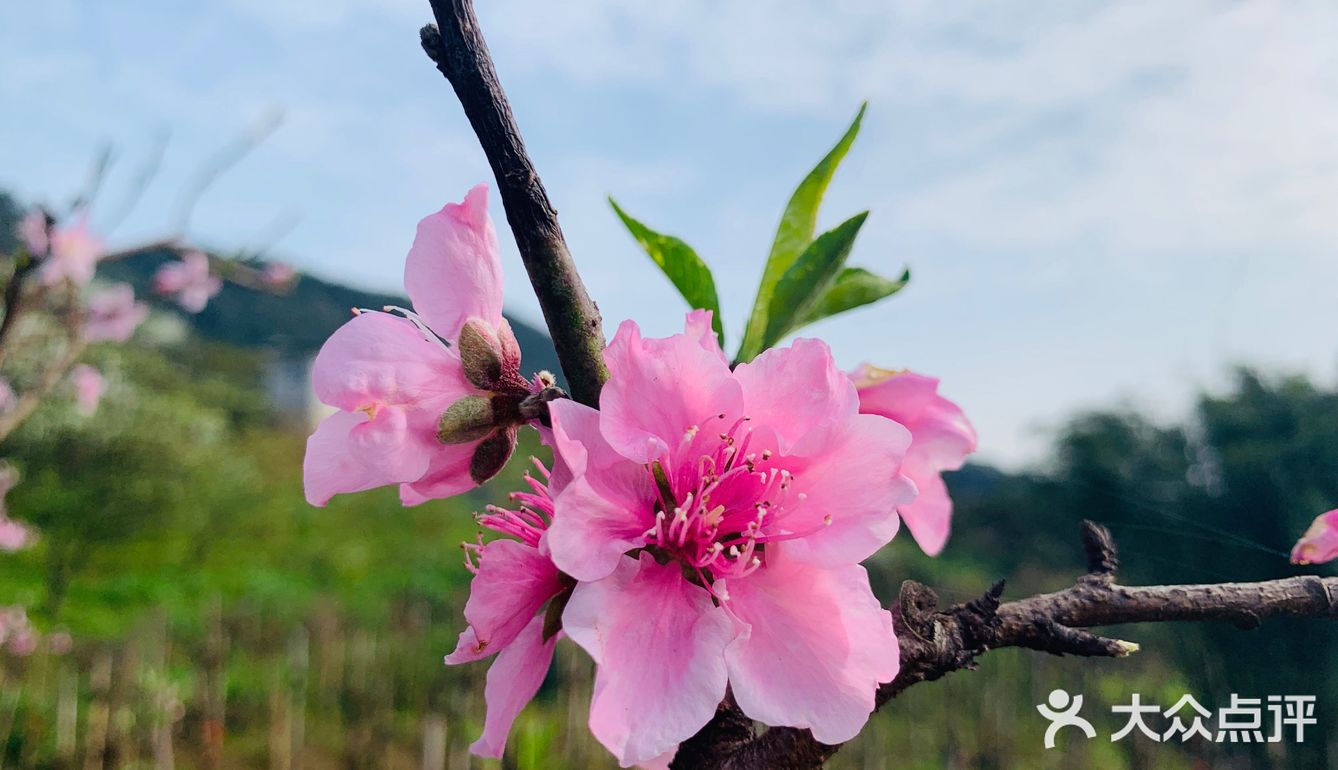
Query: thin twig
(456, 45)
(52, 375)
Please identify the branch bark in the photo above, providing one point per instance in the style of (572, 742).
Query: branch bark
(456, 45)
(937, 642)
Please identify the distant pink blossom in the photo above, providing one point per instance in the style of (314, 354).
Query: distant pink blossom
(750, 496)
(23, 642)
(16, 632)
(89, 386)
(8, 398)
(941, 438)
(392, 377)
(113, 314)
(188, 281)
(513, 581)
(278, 274)
(32, 232)
(74, 255)
(59, 643)
(14, 536)
(1319, 543)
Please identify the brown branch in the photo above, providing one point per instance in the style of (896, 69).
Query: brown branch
(456, 45)
(937, 642)
(52, 375)
(13, 299)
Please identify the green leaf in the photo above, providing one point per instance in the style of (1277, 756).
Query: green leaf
(793, 236)
(854, 287)
(800, 290)
(680, 263)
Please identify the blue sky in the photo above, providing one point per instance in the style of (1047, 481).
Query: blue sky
(1099, 202)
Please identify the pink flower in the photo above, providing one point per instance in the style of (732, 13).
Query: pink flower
(277, 274)
(23, 642)
(113, 314)
(188, 281)
(437, 418)
(8, 398)
(74, 255)
(513, 581)
(89, 386)
(32, 231)
(941, 438)
(1319, 543)
(13, 535)
(750, 497)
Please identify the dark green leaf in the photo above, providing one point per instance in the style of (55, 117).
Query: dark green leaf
(854, 287)
(793, 236)
(799, 291)
(680, 263)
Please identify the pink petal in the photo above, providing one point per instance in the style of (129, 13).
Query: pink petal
(453, 270)
(89, 386)
(513, 581)
(817, 647)
(855, 484)
(331, 466)
(929, 515)
(32, 231)
(604, 510)
(659, 389)
(513, 679)
(1319, 543)
(658, 643)
(75, 252)
(8, 398)
(941, 438)
(800, 393)
(447, 475)
(377, 358)
(698, 326)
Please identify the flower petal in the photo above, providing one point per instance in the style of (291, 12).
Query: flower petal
(658, 389)
(513, 679)
(856, 483)
(817, 647)
(513, 581)
(330, 467)
(1320, 543)
(378, 358)
(658, 644)
(800, 393)
(698, 326)
(447, 475)
(929, 515)
(606, 502)
(943, 436)
(453, 270)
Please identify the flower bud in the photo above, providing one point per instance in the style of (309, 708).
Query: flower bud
(491, 454)
(469, 419)
(481, 355)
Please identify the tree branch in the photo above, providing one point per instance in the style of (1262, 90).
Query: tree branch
(937, 642)
(456, 45)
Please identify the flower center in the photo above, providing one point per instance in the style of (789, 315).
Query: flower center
(731, 502)
(527, 522)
